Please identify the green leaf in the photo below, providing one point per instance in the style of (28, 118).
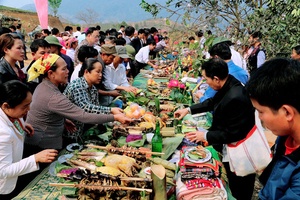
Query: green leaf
(68, 191)
(105, 136)
(99, 163)
(142, 100)
(168, 22)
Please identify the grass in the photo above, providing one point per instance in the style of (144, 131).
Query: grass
(5, 8)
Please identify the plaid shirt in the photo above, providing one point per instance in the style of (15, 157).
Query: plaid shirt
(79, 93)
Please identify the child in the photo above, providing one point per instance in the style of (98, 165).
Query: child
(38, 48)
(274, 92)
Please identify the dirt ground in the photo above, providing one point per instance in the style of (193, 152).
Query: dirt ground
(30, 21)
(29, 56)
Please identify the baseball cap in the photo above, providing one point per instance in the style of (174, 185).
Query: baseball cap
(122, 52)
(218, 40)
(52, 40)
(109, 49)
(130, 51)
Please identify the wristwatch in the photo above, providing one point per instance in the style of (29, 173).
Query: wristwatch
(189, 110)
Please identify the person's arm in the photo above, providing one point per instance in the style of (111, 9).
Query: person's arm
(61, 105)
(112, 93)
(207, 105)
(9, 168)
(82, 99)
(151, 64)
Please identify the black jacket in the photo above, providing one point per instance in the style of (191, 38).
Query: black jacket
(7, 73)
(233, 114)
(136, 44)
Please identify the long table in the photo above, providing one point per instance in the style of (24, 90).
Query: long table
(39, 188)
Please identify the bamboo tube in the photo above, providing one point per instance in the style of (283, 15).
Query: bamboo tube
(158, 175)
(195, 88)
(132, 150)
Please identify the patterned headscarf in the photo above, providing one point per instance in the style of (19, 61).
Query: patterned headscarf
(41, 66)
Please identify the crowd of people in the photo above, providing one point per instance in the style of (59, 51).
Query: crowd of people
(74, 78)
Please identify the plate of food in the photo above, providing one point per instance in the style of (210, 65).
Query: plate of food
(52, 168)
(190, 122)
(74, 146)
(197, 154)
(64, 158)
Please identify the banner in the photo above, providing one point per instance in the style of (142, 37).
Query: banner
(42, 11)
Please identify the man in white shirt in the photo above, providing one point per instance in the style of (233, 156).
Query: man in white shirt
(202, 39)
(115, 76)
(142, 58)
(77, 33)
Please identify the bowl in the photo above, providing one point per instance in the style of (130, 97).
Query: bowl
(149, 137)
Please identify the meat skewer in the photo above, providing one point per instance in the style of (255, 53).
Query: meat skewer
(97, 187)
(121, 178)
(123, 149)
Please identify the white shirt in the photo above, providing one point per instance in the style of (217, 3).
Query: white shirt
(202, 41)
(76, 34)
(80, 38)
(75, 72)
(114, 77)
(11, 149)
(238, 59)
(143, 55)
(71, 53)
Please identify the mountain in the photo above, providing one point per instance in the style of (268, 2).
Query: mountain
(108, 11)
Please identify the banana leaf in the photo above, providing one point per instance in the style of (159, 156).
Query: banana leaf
(137, 143)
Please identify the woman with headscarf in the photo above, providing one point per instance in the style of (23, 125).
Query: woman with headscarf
(50, 107)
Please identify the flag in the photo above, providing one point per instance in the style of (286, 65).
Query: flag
(42, 11)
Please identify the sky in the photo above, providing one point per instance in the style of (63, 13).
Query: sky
(68, 10)
(20, 3)
(15, 3)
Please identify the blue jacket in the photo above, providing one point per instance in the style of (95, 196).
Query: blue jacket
(281, 179)
(236, 71)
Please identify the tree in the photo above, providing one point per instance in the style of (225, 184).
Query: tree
(276, 19)
(54, 5)
(88, 16)
(279, 23)
(217, 15)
